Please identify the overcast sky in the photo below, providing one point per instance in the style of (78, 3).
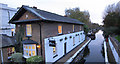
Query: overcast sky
(95, 7)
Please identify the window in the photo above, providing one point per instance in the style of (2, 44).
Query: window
(26, 47)
(33, 47)
(59, 29)
(26, 53)
(54, 50)
(73, 28)
(28, 30)
(29, 50)
(12, 30)
(80, 28)
(29, 53)
(13, 49)
(33, 53)
(29, 47)
(10, 51)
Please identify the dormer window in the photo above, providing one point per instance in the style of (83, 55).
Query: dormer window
(28, 30)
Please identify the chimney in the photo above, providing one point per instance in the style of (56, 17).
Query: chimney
(34, 7)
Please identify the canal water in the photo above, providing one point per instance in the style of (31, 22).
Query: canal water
(93, 52)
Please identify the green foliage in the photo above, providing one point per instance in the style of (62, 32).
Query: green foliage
(86, 29)
(17, 57)
(111, 30)
(82, 16)
(19, 36)
(118, 38)
(75, 13)
(112, 20)
(35, 59)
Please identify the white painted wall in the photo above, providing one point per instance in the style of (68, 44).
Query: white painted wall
(105, 50)
(71, 58)
(60, 45)
(114, 52)
(6, 13)
(1, 55)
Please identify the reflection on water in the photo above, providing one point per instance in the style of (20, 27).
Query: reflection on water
(102, 51)
(95, 47)
(93, 52)
(86, 52)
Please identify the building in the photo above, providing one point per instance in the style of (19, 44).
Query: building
(47, 34)
(6, 13)
(6, 48)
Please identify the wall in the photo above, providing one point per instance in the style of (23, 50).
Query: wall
(50, 29)
(49, 56)
(5, 55)
(6, 14)
(30, 16)
(35, 33)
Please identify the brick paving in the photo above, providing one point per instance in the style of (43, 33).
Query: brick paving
(71, 53)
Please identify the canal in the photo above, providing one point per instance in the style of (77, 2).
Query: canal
(93, 52)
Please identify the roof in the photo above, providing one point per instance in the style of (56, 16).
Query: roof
(29, 41)
(7, 41)
(42, 15)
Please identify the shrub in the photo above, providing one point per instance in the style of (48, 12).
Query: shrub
(35, 59)
(17, 57)
(118, 38)
(86, 29)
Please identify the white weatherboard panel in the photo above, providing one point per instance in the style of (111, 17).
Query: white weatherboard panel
(114, 52)
(105, 50)
(60, 45)
(71, 58)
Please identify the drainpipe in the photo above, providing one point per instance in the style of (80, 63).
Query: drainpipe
(1, 56)
(40, 37)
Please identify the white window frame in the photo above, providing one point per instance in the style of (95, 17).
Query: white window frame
(24, 49)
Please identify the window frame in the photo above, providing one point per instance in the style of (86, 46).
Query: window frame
(10, 51)
(28, 27)
(80, 28)
(61, 29)
(73, 28)
(54, 53)
(28, 50)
